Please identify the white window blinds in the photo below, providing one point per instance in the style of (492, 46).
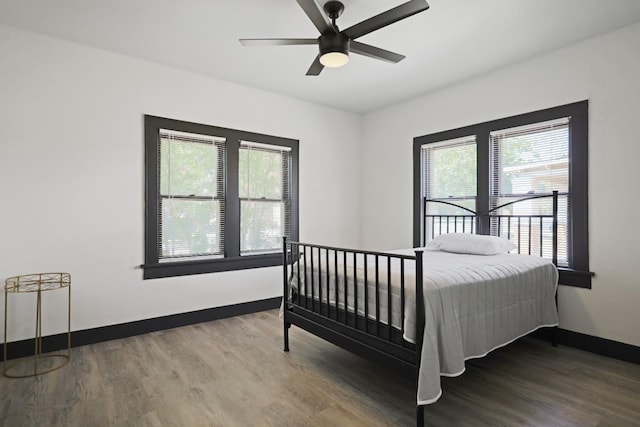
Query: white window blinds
(265, 197)
(527, 160)
(449, 170)
(449, 174)
(191, 202)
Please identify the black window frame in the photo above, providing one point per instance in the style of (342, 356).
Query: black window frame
(232, 260)
(578, 275)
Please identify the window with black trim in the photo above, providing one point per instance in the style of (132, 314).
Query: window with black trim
(486, 165)
(217, 199)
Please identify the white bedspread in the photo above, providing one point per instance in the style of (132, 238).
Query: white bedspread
(473, 304)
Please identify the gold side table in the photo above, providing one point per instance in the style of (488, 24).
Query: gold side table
(38, 283)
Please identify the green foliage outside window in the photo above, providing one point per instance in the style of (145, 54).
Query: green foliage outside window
(191, 217)
(261, 188)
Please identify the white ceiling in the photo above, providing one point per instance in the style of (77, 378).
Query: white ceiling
(452, 41)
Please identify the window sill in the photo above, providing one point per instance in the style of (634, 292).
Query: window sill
(579, 279)
(185, 268)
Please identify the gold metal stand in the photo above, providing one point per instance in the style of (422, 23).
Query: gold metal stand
(38, 283)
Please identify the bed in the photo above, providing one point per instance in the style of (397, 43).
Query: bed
(426, 310)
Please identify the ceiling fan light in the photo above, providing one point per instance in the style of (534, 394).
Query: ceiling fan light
(334, 50)
(334, 59)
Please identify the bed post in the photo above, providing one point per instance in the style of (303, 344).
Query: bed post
(285, 294)
(554, 259)
(420, 321)
(424, 223)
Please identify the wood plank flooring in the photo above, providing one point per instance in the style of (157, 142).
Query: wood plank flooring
(233, 372)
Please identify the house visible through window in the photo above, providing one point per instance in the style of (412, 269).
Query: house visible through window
(217, 199)
(487, 165)
(526, 160)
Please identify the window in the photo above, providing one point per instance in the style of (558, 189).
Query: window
(449, 174)
(191, 196)
(486, 165)
(526, 160)
(216, 199)
(265, 203)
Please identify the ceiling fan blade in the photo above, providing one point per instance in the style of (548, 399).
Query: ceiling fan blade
(317, 16)
(277, 42)
(403, 11)
(375, 52)
(315, 68)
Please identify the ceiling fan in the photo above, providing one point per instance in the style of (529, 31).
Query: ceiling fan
(334, 44)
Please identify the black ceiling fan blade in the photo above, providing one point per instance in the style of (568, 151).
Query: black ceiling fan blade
(277, 42)
(403, 11)
(375, 52)
(317, 16)
(315, 68)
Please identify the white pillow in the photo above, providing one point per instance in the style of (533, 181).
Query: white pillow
(463, 243)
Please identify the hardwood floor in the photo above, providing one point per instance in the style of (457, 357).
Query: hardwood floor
(233, 372)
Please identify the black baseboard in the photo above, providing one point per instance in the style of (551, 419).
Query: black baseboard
(602, 346)
(17, 349)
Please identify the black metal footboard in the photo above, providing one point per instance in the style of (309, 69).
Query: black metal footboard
(362, 301)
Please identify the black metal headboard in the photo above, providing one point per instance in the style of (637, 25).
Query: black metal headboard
(527, 231)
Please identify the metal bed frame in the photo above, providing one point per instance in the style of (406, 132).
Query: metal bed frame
(371, 336)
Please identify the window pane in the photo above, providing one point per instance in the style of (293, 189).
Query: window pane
(261, 226)
(452, 171)
(449, 171)
(191, 227)
(264, 197)
(188, 168)
(532, 159)
(260, 173)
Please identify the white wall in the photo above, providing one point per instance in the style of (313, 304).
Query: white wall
(72, 177)
(603, 70)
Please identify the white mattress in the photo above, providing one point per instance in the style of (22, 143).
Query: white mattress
(473, 304)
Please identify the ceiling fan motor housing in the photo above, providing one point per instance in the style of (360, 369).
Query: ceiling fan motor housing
(333, 43)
